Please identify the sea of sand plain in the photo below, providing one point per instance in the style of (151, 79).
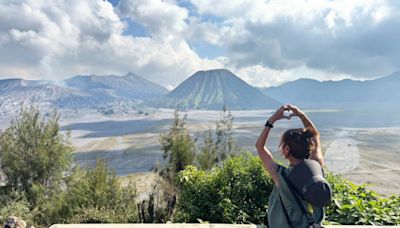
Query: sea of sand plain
(357, 146)
(130, 143)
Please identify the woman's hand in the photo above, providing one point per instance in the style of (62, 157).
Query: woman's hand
(279, 114)
(306, 121)
(316, 152)
(296, 111)
(315, 141)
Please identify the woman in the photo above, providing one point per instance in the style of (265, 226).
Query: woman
(295, 146)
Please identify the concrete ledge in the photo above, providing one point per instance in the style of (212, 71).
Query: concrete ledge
(183, 225)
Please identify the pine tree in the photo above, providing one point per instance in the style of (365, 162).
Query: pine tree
(225, 142)
(178, 146)
(208, 156)
(34, 155)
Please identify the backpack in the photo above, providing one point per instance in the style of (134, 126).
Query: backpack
(307, 179)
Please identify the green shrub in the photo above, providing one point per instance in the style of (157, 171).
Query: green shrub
(354, 204)
(92, 192)
(237, 192)
(34, 155)
(16, 206)
(35, 162)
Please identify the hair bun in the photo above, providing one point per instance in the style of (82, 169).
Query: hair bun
(308, 134)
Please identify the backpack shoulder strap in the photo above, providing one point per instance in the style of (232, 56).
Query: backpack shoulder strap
(285, 212)
(310, 219)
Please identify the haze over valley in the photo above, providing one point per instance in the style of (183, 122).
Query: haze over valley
(120, 118)
(205, 90)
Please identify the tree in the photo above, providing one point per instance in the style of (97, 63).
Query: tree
(178, 145)
(179, 150)
(95, 195)
(34, 155)
(225, 141)
(208, 157)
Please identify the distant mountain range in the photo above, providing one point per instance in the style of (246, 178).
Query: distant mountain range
(308, 93)
(213, 89)
(91, 91)
(129, 86)
(210, 89)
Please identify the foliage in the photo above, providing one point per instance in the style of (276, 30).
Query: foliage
(225, 142)
(354, 204)
(178, 146)
(17, 205)
(160, 205)
(35, 160)
(179, 149)
(40, 188)
(238, 192)
(94, 192)
(214, 152)
(208, 157)
(34, 155)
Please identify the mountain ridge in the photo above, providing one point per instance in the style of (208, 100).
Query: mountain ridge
(213, 89)
(345, 93)
(81, 91)
(128, 86)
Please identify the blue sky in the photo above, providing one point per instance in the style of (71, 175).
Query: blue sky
(264, 42)
(203, 49)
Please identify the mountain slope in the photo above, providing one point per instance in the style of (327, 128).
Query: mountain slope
(129, 86)
(347, 93)
(213, 89)
(46, 96)
(79, 92)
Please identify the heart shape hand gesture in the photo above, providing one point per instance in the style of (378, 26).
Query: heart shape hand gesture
(286, 112)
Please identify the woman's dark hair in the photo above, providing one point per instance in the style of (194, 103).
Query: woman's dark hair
(299, 142)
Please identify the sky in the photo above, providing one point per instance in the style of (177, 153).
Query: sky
(266, 43)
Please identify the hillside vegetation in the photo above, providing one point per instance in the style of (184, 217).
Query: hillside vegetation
(201, 181)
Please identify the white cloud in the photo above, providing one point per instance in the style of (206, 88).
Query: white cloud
(165, 19)
(337, 37)
(203, 31)
(381, 14)
(264, 42)
(59, 39)
(261, 76)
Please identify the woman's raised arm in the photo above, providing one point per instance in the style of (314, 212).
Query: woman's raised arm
(265, 155)
(316, 152)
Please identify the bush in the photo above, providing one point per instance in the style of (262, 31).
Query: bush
(34, 157)
(16, 205)
(35, 161)
(91, 193)
(354, 204)
(238, 192)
